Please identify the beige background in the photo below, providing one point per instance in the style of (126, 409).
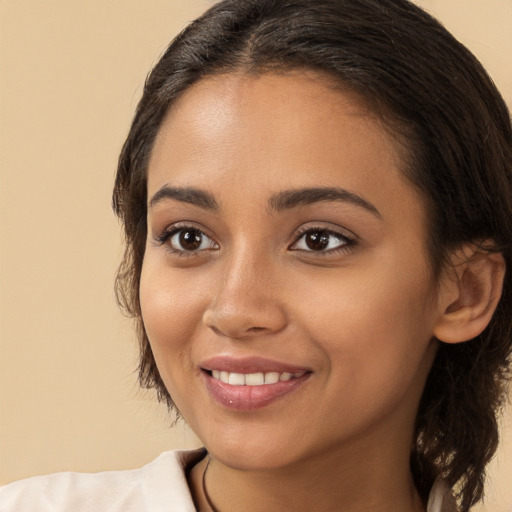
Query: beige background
(71, 73)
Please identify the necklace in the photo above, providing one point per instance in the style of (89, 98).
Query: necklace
(206, 496)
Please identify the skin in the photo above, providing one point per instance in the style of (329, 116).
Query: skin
(361, 318)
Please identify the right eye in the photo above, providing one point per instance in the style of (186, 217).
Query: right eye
(188, 240)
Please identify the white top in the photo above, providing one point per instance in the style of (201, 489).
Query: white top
(160, 486)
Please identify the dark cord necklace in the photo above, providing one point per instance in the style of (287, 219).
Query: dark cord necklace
(207, 498)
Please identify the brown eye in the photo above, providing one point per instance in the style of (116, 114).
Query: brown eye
(317, 240)
(322, 241)
(190, 240)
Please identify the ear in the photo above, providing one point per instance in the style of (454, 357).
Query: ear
(469, 293)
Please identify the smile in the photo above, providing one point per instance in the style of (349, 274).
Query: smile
(251, 383)
(254, 379)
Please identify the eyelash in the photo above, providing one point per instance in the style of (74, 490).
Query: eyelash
(169, 233)
(347, 241)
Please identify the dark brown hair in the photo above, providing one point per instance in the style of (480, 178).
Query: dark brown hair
(441, 103)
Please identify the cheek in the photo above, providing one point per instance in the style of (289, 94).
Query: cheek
(172, 309)
(375, 323)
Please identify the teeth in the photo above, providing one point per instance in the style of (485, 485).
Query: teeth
(254, 379)
(271, 377)
(236, 379)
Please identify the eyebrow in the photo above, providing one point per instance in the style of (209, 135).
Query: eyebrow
(189, 195)
(284, 200)
(300, 197)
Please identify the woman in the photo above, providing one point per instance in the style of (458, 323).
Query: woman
(317, 199)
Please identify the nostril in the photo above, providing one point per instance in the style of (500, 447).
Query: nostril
(256, 329)
(235, 320)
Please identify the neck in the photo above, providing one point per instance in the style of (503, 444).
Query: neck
(353, 484)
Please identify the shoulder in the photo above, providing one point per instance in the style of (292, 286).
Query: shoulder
(160, 483)
(72, 491)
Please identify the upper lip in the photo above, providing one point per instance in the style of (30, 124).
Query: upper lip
(249, 365)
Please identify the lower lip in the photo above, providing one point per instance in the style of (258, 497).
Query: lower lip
(249, 398)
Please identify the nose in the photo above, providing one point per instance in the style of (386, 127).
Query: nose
(246, 301)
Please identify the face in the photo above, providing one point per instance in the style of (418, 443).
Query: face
(285, 287)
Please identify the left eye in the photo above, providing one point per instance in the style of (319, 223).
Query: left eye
(320, 240)
(190, 240)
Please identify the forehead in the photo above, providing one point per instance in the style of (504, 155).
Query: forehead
(264, 133)
(212, 106)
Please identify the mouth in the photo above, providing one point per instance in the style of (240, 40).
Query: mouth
(254, 379)
(251, 384)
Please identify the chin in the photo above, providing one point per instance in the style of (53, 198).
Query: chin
(252, 458)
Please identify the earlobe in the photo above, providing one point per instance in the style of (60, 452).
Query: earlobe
(470, 293)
